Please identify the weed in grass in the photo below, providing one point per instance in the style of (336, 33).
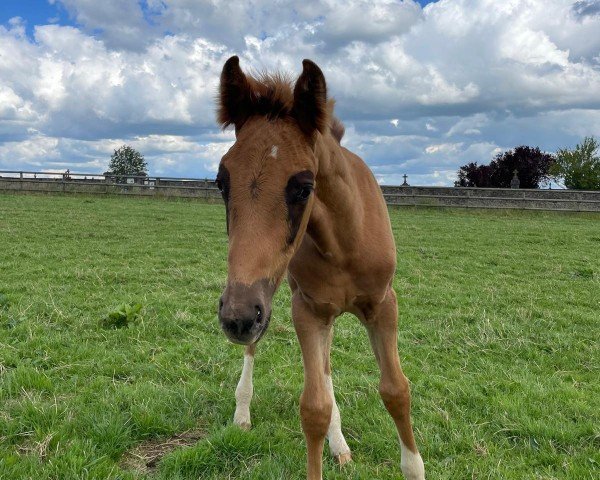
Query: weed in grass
(123, 316)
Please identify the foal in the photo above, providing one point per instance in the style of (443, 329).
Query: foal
(297, 200)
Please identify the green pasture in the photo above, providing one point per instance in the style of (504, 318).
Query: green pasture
(499, 335)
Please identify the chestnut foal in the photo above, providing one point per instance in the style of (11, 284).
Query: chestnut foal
(297, 200)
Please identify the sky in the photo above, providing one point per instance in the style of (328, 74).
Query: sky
(422, 87)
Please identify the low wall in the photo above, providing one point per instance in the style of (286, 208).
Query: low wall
(207, 190)
(524, 199)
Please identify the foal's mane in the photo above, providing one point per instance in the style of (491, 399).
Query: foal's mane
(272, 96)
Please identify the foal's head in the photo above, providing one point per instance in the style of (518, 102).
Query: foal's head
(267, 180)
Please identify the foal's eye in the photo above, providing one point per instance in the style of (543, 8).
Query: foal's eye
(304, 193)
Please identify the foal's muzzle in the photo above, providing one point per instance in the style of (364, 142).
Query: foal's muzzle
(245, 311)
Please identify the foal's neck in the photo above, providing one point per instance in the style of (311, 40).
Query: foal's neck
(337, 212)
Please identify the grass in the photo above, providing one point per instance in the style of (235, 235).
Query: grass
(499, 334)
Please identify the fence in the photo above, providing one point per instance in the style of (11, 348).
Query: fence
(527, 199)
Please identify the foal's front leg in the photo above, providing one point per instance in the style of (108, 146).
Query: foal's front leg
(316, 402)
(243, 392)
(337, 443)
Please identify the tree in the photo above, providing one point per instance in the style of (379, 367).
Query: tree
(579, 169)
(473, 175)
(127, 161)
(532, 165)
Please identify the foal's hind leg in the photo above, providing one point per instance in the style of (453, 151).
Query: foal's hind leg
(243, 392)
(337, 443)
(393, 386)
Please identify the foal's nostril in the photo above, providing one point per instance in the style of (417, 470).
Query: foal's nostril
(259, 315)
(231, 325)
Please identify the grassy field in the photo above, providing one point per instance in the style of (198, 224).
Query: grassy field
(499, 335)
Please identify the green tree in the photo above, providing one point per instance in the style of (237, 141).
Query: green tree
(127, 161)
(579, 169)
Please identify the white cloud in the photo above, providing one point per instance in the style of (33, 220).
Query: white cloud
(470, 125)
(13, 107)
(121, 22)
(443, 148)
(366, 21)
(530, 47)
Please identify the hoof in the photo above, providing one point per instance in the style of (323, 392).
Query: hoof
(343, 458)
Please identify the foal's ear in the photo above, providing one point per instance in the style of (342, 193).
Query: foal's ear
(310, 99)
(234, 95)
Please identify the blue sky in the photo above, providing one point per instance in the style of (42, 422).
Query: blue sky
(422, 87)
(35, 12)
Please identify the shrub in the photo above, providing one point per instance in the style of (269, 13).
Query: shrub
(579, 169)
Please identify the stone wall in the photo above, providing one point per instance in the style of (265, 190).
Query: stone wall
(566, 200)
(526, 199)
(202, 189)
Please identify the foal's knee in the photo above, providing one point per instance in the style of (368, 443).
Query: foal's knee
(315, 412)
(395, 394)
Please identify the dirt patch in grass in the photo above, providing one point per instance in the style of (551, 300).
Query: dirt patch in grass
(39, 449)
(145, 457)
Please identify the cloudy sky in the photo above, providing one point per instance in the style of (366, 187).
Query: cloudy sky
(423, 87)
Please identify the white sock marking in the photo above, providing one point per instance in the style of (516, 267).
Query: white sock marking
(337, 442)
(411, 464)
(243, 394)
